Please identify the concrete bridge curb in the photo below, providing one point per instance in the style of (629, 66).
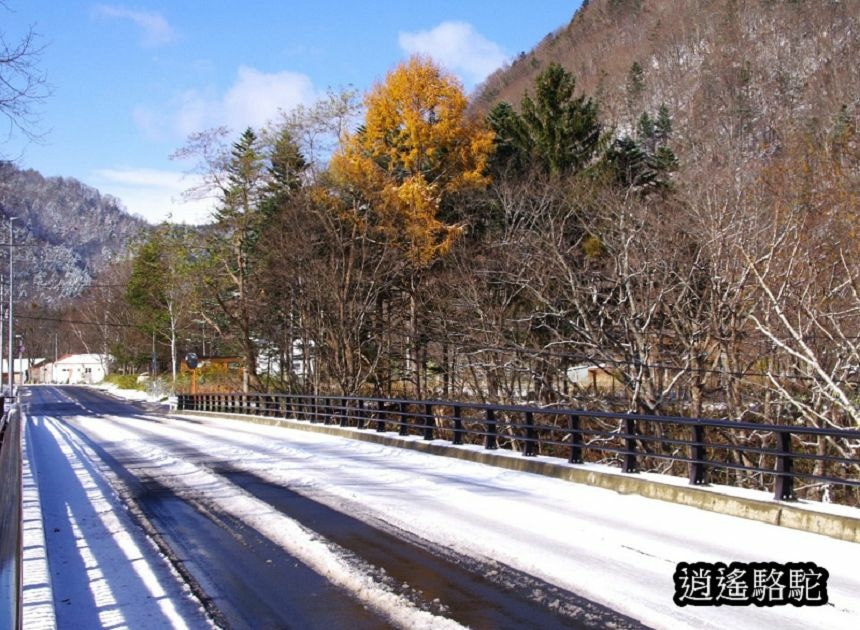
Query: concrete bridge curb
(835, 521)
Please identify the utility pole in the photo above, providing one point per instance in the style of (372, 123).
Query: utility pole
(2, 298)
(11, 320)
(154, 367)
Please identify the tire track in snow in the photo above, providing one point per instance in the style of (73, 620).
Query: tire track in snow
(209, 493)
(472, 592)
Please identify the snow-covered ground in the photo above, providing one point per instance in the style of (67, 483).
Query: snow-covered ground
(620, 551)
(102, 568)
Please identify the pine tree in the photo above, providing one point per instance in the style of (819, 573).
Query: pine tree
(635, 83)
(161, 290)
(257, 182)
(286, 168)
(629, 164)
(646, 131)
(245, 179)
(511, 141)
(646, 127)
(555, 130)
(663, 124)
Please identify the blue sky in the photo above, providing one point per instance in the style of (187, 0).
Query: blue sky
(132, 80)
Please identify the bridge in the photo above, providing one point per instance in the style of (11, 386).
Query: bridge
(248, 510)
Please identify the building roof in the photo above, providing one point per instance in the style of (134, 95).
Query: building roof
(82, 358)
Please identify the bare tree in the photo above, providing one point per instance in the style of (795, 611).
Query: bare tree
(23, 85)
(326, 278)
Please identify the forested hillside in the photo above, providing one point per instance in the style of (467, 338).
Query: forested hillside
(740, 76)
(65, 233)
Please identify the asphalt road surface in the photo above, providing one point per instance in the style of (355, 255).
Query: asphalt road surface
(244, 576)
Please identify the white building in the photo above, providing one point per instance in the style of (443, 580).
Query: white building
(23, 370)
(73, 369)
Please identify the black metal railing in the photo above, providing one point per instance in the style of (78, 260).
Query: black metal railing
(705, 450)
(10, 521)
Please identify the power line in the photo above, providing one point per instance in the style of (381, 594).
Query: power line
(60, 320)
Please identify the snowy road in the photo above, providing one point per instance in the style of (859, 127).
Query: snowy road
(182, 522)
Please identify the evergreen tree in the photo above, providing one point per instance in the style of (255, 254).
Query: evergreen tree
(258, 181)
(245, 179)
(286, 168)
(512, 144)
(555, 130)
(663, 124)
(645, 162)
(646, 130)
(629, 164)
(161, 290)
(646, 126)
(664, 162)
(635, 83)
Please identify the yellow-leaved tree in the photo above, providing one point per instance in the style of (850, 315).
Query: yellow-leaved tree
(416, 146)
(416, 149)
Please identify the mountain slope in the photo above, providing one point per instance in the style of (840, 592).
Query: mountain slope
(745, 73)
(65, 232)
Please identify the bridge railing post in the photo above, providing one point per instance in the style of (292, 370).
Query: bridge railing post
(360, 414)
(458, 425)
(491, 430)
(380, 417)
(573, 426)
(429, 421)
(531, 447)
(784, 483)
(404, 420)
(697, 455)
(344, 412)
(630, 465)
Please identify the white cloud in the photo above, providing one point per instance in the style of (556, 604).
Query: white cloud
(254, 99)
(155, 29)
(458, 47)
(192, 111)
(155, 195)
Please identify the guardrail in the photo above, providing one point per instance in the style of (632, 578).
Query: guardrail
(728, 452)
(10, 521)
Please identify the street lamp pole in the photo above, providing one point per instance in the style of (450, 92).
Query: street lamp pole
(11, 335)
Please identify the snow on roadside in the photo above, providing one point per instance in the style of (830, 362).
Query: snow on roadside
(130, 394)
(38, 607)
(77, 525)
(190, 482)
